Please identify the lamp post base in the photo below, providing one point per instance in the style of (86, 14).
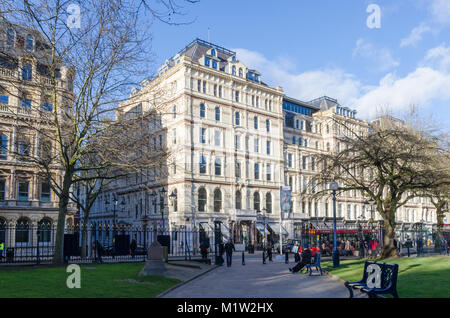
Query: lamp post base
(335, 257)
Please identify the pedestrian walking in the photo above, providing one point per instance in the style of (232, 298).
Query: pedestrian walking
(221, 252)
(361, 249)
(229, 248)
(204, 249)
(99, 250)
(133, 247)
(347, 248)
(305, 259)
(2, 248)
(269, 252)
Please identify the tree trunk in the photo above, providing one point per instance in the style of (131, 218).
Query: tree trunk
(58, 257)
(389, 249)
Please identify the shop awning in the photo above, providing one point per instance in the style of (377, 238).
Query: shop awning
(225, 231)
(206, 226)
(260, 227)
(276, 229)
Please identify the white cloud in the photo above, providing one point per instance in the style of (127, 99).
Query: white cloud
(440, 11)
(429, 82)
(438, 58)
(381, 59)
(439, 17)
(416, 35)
(419, 88)
(303, 85)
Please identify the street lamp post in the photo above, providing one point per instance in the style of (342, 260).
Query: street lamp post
(161, 198)
(334, 186)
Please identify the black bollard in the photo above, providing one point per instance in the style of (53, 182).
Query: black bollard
(408, 250)
(286, 259)
(264, 257)
(243, 259)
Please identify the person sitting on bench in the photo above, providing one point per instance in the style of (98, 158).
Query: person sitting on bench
(306, 259)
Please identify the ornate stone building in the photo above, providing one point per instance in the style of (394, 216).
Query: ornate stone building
(235, 141)
(26, 200)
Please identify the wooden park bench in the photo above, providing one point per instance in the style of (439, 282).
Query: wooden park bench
(378, 279)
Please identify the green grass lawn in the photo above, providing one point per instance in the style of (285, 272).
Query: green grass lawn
(105, 280)
(421, 277)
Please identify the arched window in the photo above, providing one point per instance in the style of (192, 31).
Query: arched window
(213, 52)
(27, 72)
(238, 200)
(201, 200)
(256, 201)
(202, 110)
(233, 70)
(217, 200)
(217, 113)
(44, 231)
(22, 231)
(237, 118)
(269, 202)
(3, 147)
(241, 73)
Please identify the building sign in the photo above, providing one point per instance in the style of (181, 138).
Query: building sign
(286, 199)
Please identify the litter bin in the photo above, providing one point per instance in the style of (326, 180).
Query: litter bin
(10, 254)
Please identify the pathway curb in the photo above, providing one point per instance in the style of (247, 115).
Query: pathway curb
(185, 282)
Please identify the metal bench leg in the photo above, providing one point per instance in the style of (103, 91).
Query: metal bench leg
(349, 289)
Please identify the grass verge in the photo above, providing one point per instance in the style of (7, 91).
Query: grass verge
(97, 280)
(419, 277)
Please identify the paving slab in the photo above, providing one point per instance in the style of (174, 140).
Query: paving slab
(256, 280)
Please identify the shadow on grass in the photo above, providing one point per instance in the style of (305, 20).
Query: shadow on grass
(408, 268)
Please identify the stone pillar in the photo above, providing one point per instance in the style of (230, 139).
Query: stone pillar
(14, 140)
(12, 185)
(35, 189)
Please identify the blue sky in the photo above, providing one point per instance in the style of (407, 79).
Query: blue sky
(324, 47)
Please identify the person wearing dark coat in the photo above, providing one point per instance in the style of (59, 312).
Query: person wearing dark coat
(221, 251)
(269, 252)
(229, 248)
(305, 259)
(99, 250)
(133, 247)
(204, 249)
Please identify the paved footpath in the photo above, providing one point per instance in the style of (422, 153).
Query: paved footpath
(256, 280)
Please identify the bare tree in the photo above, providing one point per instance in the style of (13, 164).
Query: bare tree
(87, 70)
(390, 163)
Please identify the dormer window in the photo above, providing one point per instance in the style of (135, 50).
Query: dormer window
(29, 44)
(256, 78)
(213, 52)
(233, 70)
(233, 58)
(207, 62)
(214, 65)
(241, 72)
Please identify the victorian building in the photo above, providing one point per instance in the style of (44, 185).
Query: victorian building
(235, 143)
(26, 199)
